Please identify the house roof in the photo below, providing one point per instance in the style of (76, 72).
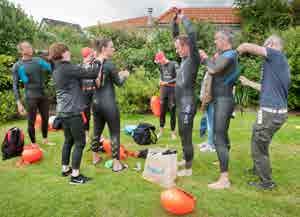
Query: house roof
(129, 23)
(59, 23)
(217, 15)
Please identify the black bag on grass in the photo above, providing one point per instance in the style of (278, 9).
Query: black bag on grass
(13, 143)
(144, 134)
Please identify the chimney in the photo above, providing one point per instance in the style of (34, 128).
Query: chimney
(150, 18)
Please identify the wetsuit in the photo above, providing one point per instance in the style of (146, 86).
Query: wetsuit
(184, 91)
(105, 109)
(225, 72)
(167, 92)
(88, 87)
(30, 72)
(70, 104)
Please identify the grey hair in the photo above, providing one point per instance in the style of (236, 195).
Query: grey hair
(274, 39)
(226, 35)
(19, 46)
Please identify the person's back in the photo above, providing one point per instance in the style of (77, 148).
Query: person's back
(275, 80)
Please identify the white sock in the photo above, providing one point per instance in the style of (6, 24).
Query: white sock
(75, 173)
(65, 168)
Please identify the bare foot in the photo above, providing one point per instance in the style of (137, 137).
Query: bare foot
(219, 185)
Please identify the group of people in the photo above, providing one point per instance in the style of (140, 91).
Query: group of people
(217, 97)
(91, 84)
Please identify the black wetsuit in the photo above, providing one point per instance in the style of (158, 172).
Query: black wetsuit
(88, 87)
(167, 93)
(225, 72)
(185, 90)
(105, 109)
(70, 104)
(30, 72)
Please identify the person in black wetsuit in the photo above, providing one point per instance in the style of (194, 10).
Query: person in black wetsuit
(105, 109)
(224, 71)
(167, 84)
(88, 87)
(70, 104)
(186, 47)
(30, 70)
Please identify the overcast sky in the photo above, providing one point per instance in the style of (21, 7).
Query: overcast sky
(89, 12)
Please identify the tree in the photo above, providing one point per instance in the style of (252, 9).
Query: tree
(15, 27)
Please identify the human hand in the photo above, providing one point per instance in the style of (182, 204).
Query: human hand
(203, 55)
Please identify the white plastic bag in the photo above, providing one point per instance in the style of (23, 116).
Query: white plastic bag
(161, 167)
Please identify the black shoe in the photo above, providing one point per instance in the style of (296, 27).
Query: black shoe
(263, 185)
(67, 173)
(81, 179)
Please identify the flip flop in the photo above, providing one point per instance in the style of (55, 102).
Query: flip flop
(124, 167)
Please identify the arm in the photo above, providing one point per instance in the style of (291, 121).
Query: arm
(83, 70)
(174, 72)
(175, 27)
(246, 82)
(20, 106)
(191, 33)
(45, 65)
(118, 77)
(217, 67)
(252, 49)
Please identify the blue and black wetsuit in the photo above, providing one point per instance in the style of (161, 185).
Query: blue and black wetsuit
(31, 73)
(185, 90)
(105, 108)
(225, 72)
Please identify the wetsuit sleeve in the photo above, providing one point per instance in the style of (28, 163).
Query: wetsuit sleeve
(117, 79)
(45, 65)
(83, 71)
(174, 70)
(175, 28)
(219, 65)
(191, 33)
(15, 81)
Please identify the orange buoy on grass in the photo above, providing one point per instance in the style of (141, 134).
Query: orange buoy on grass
(177, 201)
(31, 153)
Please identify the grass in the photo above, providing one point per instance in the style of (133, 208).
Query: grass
(38, 190)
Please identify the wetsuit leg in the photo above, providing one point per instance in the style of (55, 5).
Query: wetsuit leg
(32, 111)
(87, 111)
(185, 125)
(43, 106)
(99, 123)
(223, 108)
(112, 116)
(163, 105)
(172, 107)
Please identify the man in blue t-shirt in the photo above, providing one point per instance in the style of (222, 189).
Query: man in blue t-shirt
(273, 104)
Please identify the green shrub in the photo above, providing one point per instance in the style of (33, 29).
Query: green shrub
(291, 39)
(7, 106)
(135, 95)
(6, 63)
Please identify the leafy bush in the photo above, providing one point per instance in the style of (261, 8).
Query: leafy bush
(7, 106)
(6, 63)
(135, 95)
(291, 39)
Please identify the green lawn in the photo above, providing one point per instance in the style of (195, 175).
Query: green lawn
(39, 191)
